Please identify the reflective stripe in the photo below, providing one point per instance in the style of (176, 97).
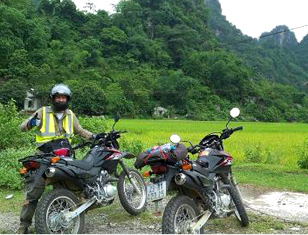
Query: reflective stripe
(50, 122)
(43, 118)
(70, 123)
(47, 131)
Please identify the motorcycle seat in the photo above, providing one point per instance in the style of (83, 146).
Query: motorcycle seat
(85, 164)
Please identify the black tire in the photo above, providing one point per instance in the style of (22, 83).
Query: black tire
(172, 210)
(240, 211)
(131, 201)
(44, 212)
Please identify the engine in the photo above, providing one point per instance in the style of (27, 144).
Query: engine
(221, 200)
(221, 203)
(102, 189)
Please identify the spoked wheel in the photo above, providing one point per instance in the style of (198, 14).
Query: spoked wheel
(49, 213)
(132, 193)
(179, 214)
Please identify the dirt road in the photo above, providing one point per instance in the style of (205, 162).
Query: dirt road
(291, 209)
(287, 206)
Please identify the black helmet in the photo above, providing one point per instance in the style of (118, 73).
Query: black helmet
(60, 89)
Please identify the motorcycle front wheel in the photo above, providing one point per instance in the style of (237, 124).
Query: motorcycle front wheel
(180, 213)
(48, 217)
(132, 193)
(239, 209)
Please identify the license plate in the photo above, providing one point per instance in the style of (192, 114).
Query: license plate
(156, 191)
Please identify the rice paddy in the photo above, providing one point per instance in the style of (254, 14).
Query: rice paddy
(274, 143)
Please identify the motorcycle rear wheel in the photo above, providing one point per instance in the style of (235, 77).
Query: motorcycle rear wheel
(131, 201)
(179, 213)
(48, 209)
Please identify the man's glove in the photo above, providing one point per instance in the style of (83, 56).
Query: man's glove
(34, 121)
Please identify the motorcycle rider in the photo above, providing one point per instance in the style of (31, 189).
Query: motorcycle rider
(52, 122)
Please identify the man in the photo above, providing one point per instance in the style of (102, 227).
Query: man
(55, 122)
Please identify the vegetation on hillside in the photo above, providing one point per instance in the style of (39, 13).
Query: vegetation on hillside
(149, 53)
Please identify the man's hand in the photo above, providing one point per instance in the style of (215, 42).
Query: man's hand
(99, 136)
(35, 121)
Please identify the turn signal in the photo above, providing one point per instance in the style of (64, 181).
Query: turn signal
(146, 174)
(55, 159)
(187, 167)
(22, 171)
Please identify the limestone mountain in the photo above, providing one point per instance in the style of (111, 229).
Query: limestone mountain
(278, 57)
(280, 36)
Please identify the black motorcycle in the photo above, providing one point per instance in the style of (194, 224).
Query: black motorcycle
(206, 187)
(81, 185)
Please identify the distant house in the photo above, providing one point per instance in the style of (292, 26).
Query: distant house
(31, 103)
(160, 112)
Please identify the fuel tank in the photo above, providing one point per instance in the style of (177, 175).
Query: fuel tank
(213, 160)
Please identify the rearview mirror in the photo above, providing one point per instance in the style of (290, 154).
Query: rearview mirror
(235, 112)
(175, 139)
(116, 117)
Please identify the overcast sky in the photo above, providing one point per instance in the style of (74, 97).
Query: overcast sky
(252, 17)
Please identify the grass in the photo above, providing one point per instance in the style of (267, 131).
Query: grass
(12, 205)
(258, 225)
(278, 177)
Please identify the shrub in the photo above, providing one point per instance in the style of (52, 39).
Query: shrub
(132, 146)
(10, 134)
(9, 167)
(95, 124)
(254, 154)
(271, 157)
(303, 156)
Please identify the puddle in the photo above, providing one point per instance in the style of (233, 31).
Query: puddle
(288, 206)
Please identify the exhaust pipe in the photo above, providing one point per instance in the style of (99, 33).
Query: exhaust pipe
(52, 172)
(180, 179)
(186, 181)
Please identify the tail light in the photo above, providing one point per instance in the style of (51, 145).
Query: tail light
(55, 159)
(146, 174)
(187, 167)
(23, 171)
(227, 162)
(31, 165)
(62, 152)
(159, 169)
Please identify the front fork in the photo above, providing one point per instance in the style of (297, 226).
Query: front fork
(129, 178)
(235, 184)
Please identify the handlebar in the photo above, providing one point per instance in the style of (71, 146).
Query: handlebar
(239, 128)
(195, 148)
(226, 133)
(77, 146)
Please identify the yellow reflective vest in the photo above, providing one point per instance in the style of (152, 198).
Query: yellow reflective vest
(47, 131)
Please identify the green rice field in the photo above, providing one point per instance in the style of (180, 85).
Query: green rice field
(265, 143)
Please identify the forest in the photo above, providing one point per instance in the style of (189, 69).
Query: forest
(178, 54)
